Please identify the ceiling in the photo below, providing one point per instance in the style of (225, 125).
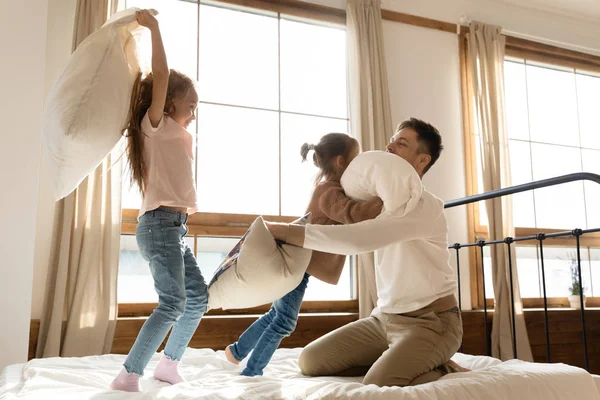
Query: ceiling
(578, 9)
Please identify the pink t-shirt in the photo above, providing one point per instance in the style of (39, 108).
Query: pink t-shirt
(169, 157)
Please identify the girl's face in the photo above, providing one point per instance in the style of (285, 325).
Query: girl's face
(185, 108)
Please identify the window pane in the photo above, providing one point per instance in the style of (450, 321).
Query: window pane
(238, 160)
(131, 196)
(552, 106)
(515, 87)
(135, 283)
(313, 69)
(591, 163)
(527, 267)
(319, 290)
(210, 253)
(179, 30)
(238, 58)
(520, 168)
(483, 220)
(595, 270)
(297, 178)
(588, 100)
(529, 272)
(560, 207)
(487, 265)
(557, 262)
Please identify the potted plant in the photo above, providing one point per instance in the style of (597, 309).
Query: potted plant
(576, 289)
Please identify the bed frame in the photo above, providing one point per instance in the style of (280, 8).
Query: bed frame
(509, 241)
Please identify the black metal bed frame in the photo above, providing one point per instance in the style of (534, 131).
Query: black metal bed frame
(509, 241)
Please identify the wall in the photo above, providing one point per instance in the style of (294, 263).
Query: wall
(23, 33)
(59, 36)
(424, 82)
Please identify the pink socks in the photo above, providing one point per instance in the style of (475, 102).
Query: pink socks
(126, 382)
(167, 371)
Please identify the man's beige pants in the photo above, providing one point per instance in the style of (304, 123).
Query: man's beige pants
(389, 349)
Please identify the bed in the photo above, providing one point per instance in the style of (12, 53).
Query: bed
(210, 376)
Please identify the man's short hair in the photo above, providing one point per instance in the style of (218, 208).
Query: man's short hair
(430, 140)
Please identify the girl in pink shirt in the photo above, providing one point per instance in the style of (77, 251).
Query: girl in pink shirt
(161, 163)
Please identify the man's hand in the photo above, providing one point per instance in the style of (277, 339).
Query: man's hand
(278, 230)
(145, 18)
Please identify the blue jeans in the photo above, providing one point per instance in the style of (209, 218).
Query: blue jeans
(182, 292)
(265, 335)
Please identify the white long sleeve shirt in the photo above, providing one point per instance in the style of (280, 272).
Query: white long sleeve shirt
(411, 253)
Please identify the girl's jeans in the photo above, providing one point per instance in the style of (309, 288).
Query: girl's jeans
(182, 292)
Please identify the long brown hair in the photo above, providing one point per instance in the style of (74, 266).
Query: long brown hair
(331, 146)
(141, 99)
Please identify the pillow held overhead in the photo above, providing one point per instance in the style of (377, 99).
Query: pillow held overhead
(87, 108)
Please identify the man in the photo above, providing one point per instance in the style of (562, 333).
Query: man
(416, 326)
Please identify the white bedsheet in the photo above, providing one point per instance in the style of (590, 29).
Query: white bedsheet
(210, 376)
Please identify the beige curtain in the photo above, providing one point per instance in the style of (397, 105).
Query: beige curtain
(370, 113)
(485, 63)
(80, 307)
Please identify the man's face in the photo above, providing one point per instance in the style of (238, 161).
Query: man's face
(404, 144)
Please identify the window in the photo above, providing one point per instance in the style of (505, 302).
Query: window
(553, 128)
(267, 83)
(136, 284)
(557, 264)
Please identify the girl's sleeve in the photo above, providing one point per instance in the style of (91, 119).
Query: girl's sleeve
(334, 203)
(147, 127)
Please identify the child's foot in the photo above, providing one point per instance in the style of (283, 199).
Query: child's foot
(126, 382)
(167, 371)
(230, 357)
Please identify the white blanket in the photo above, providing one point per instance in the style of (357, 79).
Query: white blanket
(210, 376)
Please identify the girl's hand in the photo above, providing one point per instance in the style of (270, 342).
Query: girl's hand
(278, 230)
(145, 18)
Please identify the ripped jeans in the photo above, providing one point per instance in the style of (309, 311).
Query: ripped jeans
(182, 292)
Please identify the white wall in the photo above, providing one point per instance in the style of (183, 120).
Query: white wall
(424, 79)
(22, 72)
(59, 36)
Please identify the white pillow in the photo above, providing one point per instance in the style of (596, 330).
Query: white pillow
(384, 175)
(86, 110)
(258, 270)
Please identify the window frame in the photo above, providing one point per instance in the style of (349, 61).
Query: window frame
(529, 51)
(235, 225)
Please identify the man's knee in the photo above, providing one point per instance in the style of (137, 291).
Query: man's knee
(309, 361)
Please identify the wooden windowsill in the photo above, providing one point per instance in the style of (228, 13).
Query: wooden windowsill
(554, 303)
(241, 316)
(133, 310)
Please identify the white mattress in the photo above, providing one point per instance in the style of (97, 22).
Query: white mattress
(210, 376)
